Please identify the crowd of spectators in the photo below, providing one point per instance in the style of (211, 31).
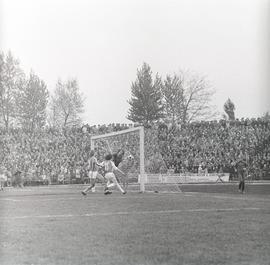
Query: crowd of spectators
(216, 146)
(53, 155)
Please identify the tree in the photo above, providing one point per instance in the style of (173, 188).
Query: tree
(229, 109)
(31, 101)
(266, 117)
(146, 98)
(67, 103)
(10, 75)
(173, 98)
(197, 96)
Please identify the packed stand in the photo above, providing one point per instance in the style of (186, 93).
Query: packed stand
(216, 146)
(60, 156)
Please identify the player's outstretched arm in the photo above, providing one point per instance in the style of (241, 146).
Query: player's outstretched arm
(120, 171)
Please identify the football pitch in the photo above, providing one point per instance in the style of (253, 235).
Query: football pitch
(204, 224)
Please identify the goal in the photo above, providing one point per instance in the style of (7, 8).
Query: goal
(131, 141)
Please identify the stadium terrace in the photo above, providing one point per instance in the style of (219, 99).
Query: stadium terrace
(54, 156)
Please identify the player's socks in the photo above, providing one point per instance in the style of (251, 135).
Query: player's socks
(110, 185)
(119, 187)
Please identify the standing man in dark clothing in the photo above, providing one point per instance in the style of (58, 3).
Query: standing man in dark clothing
(18, 179)
(241, 167)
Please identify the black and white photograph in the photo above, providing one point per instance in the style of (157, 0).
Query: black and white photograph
(134, 132)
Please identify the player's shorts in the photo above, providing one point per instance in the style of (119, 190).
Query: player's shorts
(93, 174)
(110, 177)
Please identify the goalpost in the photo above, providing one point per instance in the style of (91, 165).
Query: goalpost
(140, 131)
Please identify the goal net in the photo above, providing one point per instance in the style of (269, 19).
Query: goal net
(142, 161)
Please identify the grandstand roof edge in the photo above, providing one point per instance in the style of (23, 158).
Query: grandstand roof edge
(116, 133)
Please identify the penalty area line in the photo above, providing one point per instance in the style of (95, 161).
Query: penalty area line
(130, 213)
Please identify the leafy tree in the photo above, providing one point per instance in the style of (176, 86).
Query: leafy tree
(31, 102)
(229, 109)
(146, 98)
(10, 75)
(173, 98)
(67, 104)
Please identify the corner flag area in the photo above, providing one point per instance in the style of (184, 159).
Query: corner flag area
(203, 224)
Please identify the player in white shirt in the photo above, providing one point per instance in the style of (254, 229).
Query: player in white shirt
(109, 168)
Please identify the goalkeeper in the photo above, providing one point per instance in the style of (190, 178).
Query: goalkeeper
(117, 158)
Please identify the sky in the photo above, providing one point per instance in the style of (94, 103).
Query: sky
(102, 43)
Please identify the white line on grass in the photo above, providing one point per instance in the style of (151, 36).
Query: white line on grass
(10, 200)
(43, 200)
(60, 197)
(131, 213)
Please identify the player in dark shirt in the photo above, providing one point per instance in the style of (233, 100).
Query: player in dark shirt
(93, 166)
(117, 158)
(241, 167)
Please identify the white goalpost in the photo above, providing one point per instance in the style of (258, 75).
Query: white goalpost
(140, 131)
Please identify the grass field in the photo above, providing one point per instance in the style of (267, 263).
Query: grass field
(205, 224)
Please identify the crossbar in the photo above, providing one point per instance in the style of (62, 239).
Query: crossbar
(116, 133)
